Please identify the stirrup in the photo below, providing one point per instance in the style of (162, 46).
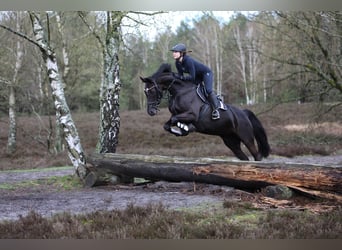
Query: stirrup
(215, 115)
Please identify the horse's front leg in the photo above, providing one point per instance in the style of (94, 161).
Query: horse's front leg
(185, 118)
(174, 130)
(167, 125)
(179, 129)
(184, 122)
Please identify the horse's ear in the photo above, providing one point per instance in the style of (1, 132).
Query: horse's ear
(142, 78)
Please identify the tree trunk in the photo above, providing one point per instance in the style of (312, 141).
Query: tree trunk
(59, 146)
(64, 47)
(314, 180)
(71, 137)
(110, 88)
(12, 131)
(242, 63)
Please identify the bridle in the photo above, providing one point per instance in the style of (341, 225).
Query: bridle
(156, 102)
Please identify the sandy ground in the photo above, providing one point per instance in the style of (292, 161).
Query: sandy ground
(15, 203)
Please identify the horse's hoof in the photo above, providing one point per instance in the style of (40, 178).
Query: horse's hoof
(258, 157)
(176, 131)
(167, 127)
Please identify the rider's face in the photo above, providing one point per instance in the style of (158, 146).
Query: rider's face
(176, 55)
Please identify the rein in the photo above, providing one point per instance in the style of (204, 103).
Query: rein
(159, 92)
(168, 89)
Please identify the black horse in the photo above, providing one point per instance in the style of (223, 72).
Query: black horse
(191, 113)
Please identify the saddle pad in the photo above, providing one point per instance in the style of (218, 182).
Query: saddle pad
(202, 93)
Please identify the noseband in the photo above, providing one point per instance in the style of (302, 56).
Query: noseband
(156, 102)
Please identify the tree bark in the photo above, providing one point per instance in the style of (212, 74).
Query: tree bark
(59, 146)
(314, 180)
(71, 137)
(12, 128)
(242, 63)
(111, 86)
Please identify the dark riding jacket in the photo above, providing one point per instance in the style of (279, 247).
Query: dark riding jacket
(197, 71)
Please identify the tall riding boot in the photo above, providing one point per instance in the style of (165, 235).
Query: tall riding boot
(214, 103)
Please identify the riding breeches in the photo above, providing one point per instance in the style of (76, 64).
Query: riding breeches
(208, 82)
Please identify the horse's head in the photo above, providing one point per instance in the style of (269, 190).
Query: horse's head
(153, 95)
(155, 85)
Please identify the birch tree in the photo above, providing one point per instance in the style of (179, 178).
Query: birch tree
(65, 53)
(110, 84)
(248, 58)
(59, 146)
(75, 150)
(12, 131)
(207, 41)
(242, 62)
(63, 115)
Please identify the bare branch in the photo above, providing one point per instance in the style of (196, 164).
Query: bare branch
(142, 13)
(91, 29)
(21, 35)
(5, 81)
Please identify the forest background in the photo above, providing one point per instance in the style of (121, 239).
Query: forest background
(260, 57)
(266, 57)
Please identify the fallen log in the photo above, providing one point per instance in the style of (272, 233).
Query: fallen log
(315, 180)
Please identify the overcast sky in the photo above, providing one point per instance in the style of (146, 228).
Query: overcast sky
(172, 19)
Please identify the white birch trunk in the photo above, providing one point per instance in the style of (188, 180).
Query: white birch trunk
(40, 84)
(218, 61)
(59, 146)
(142, 98)
(64, 47)
(110, 88)
(72, 140)
(242, 60)
(252, 80)
(12, 130)
(264, 87)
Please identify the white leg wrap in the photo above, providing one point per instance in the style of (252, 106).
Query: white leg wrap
(183, 126)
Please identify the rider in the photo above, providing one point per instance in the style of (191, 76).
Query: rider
(198, 73)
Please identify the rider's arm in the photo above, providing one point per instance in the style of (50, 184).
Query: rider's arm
(179, 68)
(189, 65)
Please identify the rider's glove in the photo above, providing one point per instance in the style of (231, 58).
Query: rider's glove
(178, 76)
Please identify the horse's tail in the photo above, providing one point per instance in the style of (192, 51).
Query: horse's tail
(259, 134)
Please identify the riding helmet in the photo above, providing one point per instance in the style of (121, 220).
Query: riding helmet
(179, 48)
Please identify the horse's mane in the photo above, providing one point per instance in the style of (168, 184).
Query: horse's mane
(164, 68)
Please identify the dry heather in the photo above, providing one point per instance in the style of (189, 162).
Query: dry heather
(292, 129)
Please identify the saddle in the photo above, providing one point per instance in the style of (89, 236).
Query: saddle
(202, 93)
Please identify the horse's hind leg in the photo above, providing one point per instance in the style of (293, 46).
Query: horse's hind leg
(252, 148)
(246, 135)
(234, 143)
(249, 143)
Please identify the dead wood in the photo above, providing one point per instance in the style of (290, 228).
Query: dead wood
(314, 180)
